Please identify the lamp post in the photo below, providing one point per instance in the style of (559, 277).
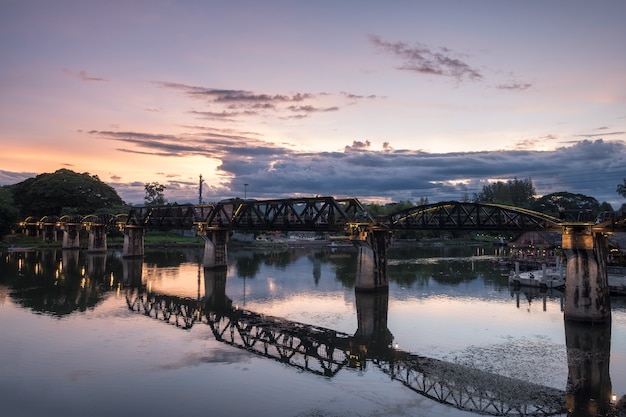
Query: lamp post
(245, 191)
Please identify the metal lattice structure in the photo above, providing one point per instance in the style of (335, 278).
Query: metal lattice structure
(470, 216)
(325, 352)
(326, 214)
(323, 214)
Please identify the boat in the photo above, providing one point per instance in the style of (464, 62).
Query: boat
(546, 277)
(17, 249)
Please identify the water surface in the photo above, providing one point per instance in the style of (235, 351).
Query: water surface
(74, 344)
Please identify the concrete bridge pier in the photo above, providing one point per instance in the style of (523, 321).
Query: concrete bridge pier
(371, 272)
(97, 238)
(71, 238)
(133, 241)
(215, 254)
(589, 391)
(48, 232)
(586, 280)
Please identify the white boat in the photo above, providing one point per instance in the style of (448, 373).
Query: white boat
(546, 277)
(16, 249)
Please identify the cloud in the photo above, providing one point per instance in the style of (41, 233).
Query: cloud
(589, 167)
(514, 86)
(426, 60)
(234, 105)
(9, 177)
(595, 135)
(234, 97)
(83, 76)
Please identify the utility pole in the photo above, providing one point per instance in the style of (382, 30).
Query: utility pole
(200, 190)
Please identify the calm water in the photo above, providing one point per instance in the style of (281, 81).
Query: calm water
(281, 333)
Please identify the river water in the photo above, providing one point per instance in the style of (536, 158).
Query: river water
(281, 332)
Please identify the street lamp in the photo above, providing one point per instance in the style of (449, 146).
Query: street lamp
(245, 191)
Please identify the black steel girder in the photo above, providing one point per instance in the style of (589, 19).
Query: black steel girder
(454, 215)
(323, 214)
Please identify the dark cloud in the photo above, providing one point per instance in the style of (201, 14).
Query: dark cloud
(589, 167)
(592, 168)
(312, 109)
(234, 105)
(426, 60)
(9, 177)
(234, 96)
(224, 116)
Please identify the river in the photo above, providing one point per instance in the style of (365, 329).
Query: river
(282, 332)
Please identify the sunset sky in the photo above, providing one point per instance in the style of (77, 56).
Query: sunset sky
(383, 101)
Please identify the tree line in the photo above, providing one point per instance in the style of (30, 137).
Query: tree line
(66, 192)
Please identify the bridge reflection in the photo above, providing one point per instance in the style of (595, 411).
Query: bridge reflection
(326, 352)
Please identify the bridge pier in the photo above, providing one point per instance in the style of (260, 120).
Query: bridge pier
(97, 238)
(589, 388)
(371, 271)
(48, 231)
(133, 242)
(586, 280)
(71, 238)
(215, 253)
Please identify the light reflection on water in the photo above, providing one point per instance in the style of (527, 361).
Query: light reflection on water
(83, 339)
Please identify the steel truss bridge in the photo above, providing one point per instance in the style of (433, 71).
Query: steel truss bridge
(320, 214)
(327, 214)
(325, 352)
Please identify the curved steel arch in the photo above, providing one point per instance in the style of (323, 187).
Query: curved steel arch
(455, 215)
(71, 218)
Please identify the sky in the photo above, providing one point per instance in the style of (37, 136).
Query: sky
(382, 101)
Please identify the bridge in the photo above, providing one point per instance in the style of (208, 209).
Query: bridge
(584, 243)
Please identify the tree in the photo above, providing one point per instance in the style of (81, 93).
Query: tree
(515, 192)
(621, 189)
(154, 194)
(9, 214)
(577, 206)
(61, 192)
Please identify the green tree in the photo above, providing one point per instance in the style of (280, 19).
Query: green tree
(389, 208)
(515, 192)
(577, 206)
(9, 214)
(61, 192)
(154, 194)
